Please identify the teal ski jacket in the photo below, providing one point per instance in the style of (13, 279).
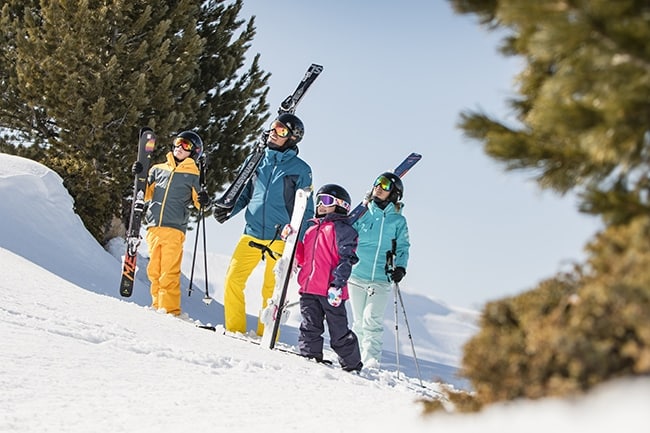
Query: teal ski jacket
(269, 196)
(377, 228)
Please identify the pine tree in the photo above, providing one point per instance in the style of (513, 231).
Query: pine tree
(582, 125)
(234, 108)
(583, 100)
(81, 77)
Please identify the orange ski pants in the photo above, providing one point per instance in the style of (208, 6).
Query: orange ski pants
(164, 269)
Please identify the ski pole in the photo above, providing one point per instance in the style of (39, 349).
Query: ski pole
(396, 331)
(389, 268)
(408, 329)
(369, 290)
(201, 225)
(196, 242)
(206, 299)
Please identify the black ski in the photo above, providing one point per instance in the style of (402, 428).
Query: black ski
(146, 145)
(229, 198)
(400, 171)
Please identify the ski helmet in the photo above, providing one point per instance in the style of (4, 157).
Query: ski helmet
(394, 185)
(295, 125)
(339, 193)
(197, 143)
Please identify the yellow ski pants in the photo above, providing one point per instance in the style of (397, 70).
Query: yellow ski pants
(242, 264)
(164, 269)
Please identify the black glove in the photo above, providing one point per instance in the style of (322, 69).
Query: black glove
(397, 274)
(221, 214)
(204, 199)
(136, 168)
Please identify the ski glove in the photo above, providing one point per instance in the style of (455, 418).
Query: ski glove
(334, 296)
(136, 168)
(221, 214)
(397, 274)
(204, 199)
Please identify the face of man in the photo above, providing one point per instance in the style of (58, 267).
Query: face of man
(279, 133)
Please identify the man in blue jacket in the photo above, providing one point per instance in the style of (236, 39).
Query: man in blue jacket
(268, 198)
(370, 287)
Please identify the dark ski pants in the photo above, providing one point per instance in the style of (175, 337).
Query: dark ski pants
(315, 311)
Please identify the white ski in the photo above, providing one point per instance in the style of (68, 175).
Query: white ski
(272, 315)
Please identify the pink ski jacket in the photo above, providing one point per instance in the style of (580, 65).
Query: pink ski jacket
(326, 255)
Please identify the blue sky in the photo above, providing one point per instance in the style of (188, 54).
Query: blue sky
(395, 80)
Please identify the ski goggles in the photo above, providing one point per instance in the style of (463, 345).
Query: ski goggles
(329, 200)
(384, 183)
(184, 143)
(280, 129)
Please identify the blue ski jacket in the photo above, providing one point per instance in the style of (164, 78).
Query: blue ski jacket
(377, 228)
(269, 196)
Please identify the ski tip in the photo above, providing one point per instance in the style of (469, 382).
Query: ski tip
(144, 130)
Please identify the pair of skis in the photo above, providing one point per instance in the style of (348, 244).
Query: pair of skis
(229, 198)
(399, 171)
(146, 145)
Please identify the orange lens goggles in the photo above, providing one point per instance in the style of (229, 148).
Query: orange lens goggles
(280, 129)
(184, 143)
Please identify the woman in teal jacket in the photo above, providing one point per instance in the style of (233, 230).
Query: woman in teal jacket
(370, 286)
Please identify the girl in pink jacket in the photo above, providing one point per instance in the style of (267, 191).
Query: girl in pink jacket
(325, 258)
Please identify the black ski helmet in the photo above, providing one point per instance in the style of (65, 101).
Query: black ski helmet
(197, 143)
(397, 187)
(338, 192)
(295, 125)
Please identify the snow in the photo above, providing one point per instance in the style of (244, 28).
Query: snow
(79, 358)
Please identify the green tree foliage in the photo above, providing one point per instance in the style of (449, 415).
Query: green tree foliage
(583, 100)
(234, 107)
(79, 78)
(581, 114)
(573, 331)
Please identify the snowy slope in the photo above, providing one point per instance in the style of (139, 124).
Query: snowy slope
(77, 358)
(42, 227)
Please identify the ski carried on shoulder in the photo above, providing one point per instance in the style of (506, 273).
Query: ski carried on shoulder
(274, 314)
(229, 198)
(146, 145)
(399, 171)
